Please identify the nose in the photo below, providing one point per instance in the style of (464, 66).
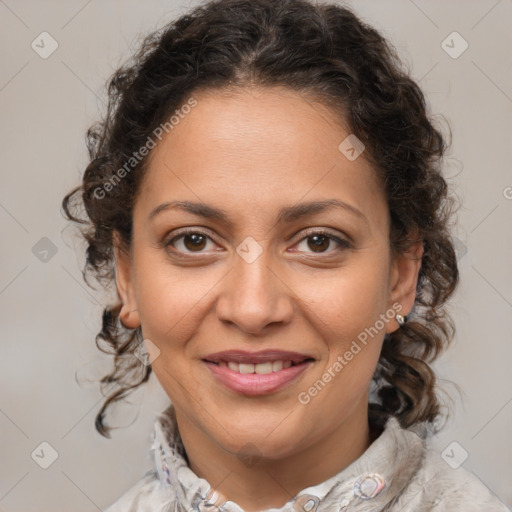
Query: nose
(254, 296)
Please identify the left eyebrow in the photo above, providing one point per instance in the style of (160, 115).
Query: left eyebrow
(287, 214)
(290, 214)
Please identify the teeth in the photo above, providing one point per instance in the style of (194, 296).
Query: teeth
(263, 368)
(246, 368)
(259, 368)
(277, 366)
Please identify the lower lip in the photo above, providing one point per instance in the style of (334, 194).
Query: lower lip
(254, 383)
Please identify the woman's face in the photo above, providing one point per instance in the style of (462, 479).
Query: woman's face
(287, 259)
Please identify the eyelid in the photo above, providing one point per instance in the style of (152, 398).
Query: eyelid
(188, 230)
(336, 235)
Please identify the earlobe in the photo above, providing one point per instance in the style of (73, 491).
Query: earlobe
(128, 315)
(129, 318)
(404, 279)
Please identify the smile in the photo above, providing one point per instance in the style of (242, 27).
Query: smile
(257, 373)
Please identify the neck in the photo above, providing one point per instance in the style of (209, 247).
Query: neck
(260, 483)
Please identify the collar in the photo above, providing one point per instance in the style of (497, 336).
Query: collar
(371, 482)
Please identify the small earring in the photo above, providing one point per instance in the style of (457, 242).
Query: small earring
(400, 319)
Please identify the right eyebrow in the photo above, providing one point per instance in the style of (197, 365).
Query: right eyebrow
(199, 209)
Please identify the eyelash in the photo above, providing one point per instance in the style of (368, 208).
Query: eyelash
(344, 244)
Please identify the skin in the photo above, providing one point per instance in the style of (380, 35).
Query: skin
(251, 152)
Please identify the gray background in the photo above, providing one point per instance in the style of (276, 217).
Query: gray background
(49, 317)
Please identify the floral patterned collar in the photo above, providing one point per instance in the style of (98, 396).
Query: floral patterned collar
(371, 482)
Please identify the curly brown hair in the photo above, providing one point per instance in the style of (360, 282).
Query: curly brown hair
(327, 51)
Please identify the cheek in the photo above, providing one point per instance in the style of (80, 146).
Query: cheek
(171, 302)
(344, 310)
(345, 302)
(171, 307)
(342, 314)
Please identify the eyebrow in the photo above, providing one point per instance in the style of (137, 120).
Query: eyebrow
(287, 214)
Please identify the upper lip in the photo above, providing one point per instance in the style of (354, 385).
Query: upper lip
(242, 356)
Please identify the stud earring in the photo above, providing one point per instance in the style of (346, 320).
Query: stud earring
(400, 319)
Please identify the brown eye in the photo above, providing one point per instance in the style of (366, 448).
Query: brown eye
(195, 241)
(318, 243)
(188, 242)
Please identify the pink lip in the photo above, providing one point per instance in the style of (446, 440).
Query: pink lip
(253, 383)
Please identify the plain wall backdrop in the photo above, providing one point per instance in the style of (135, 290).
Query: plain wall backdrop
(49, 317)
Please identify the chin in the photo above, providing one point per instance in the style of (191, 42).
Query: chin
(264, 441)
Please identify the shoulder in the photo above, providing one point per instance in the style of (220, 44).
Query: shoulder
(437, 487)
(147, 495)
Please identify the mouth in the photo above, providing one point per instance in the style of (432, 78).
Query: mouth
(257, 373)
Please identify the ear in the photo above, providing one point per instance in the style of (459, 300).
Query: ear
(124, 282)
(405, 269)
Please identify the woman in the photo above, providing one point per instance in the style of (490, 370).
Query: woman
(265, 192)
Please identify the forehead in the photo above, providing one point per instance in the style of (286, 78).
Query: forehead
(258, 150)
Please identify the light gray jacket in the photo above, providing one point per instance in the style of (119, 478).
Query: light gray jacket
(397, 473)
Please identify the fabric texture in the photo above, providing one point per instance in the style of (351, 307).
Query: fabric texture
(397, 473)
